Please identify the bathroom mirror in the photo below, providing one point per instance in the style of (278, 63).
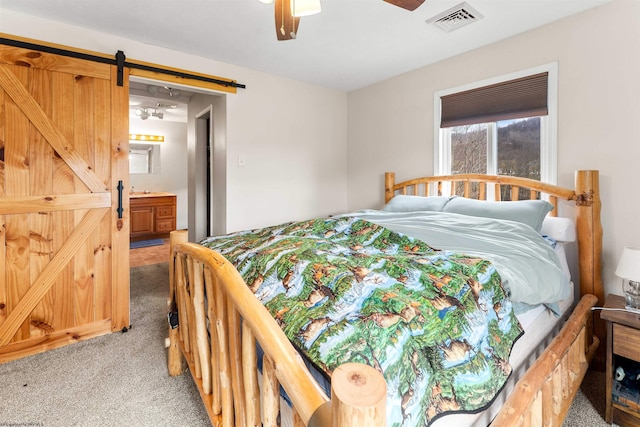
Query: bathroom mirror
(144, 158)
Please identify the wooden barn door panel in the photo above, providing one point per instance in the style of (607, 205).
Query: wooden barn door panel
(63, 249)
(40, 182)
(16, 181)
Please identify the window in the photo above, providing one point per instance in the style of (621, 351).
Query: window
(503, 126)
(505, 147)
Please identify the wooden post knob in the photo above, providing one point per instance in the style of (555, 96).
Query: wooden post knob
(358, 396)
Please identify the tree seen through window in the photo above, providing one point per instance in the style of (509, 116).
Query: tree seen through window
(508, 147)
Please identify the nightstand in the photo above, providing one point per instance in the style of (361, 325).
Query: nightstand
(623, 349)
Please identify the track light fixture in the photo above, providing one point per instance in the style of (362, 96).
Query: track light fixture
(145, 112)
(173, 93)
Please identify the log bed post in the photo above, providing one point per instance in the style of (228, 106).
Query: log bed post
(589, 230)
(358, 396)
(175, 363)
(389, 182)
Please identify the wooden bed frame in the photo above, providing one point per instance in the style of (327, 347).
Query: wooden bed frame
(224, 365)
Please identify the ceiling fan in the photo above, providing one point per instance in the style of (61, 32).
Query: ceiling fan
(288, 13)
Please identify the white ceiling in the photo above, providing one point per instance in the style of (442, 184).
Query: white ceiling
(351, 44)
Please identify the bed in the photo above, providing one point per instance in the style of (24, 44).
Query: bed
(244, 364)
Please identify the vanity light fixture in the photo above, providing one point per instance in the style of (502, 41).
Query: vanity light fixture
(145, 138)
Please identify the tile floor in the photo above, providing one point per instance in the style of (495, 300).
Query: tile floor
(149, 255)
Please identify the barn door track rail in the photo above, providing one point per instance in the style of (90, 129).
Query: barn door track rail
(120, 61)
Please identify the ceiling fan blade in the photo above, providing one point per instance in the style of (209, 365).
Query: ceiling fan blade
(406, 4)
(286, 23)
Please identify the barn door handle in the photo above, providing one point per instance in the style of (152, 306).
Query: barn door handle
(120, 209)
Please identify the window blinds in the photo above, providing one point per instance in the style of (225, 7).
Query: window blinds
(513, 99)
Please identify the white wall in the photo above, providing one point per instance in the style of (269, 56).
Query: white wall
(293, 135)
(294, 146)
(391, 124)
(173, 163)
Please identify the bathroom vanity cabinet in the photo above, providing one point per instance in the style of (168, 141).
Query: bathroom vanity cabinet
(153, 215)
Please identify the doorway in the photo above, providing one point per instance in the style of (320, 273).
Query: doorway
(207, 166)
(192, 155)
(203, 139)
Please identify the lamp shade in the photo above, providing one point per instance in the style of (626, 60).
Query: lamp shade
(629, 264)
(305, 7)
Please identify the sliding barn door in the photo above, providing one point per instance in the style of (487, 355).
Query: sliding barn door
(64, 253)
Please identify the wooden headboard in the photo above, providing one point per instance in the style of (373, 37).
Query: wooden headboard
(584, 196)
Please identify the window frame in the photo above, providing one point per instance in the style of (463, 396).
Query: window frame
(548, 124)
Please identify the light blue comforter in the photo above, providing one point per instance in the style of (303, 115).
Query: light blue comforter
(530, 269)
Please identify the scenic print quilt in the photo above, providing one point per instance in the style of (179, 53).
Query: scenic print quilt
(437, 324)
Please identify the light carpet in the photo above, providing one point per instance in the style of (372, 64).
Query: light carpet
(121, 379)
(115, 380)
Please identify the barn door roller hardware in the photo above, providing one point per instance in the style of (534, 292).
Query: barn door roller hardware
(176, 73)
(120, 64)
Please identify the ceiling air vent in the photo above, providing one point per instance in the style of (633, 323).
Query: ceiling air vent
(456, 17)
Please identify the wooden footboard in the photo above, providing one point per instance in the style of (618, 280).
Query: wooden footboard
(220, 321)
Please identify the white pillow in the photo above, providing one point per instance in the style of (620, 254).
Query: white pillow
(407, 203)
(529, 212)
(559, 229)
